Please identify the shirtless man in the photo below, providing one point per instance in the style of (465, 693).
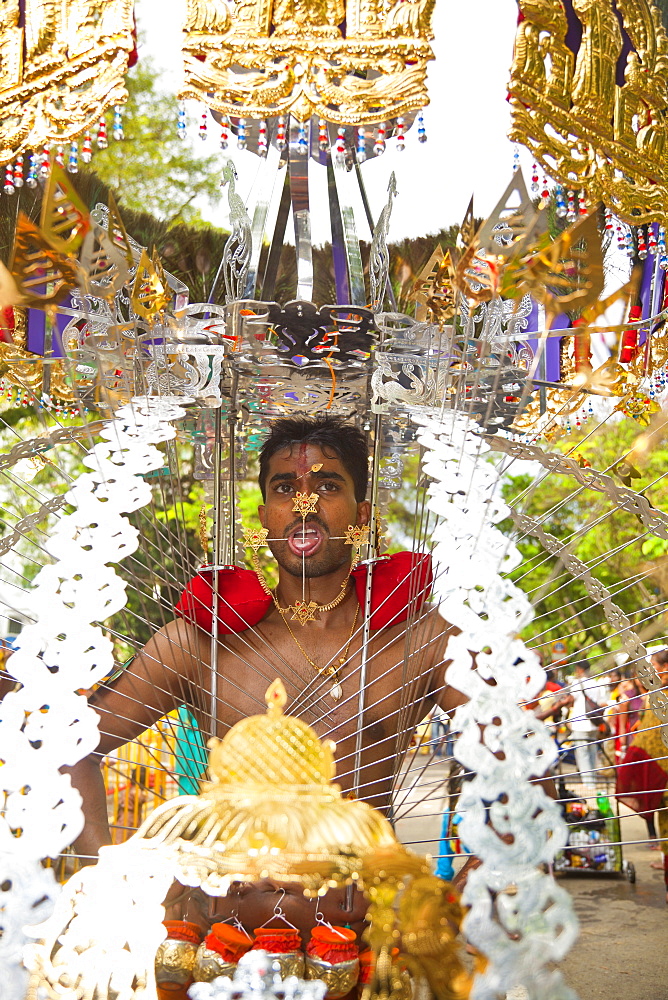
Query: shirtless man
(405, 668)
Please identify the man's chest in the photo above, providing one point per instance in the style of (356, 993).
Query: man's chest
(334, 683)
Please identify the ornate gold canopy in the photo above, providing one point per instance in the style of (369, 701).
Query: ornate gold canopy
(585, 129)
(355, 62)
(62, 70)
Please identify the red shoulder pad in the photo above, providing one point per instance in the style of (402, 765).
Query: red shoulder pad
(400, 585)
(242, 602)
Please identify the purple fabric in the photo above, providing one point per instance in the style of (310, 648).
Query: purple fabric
(37, 332)
(551, 370)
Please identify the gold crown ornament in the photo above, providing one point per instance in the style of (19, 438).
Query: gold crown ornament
(587, 128)
(63, 65)
(351, 62)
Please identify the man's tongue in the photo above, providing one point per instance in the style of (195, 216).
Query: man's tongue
(304, 542)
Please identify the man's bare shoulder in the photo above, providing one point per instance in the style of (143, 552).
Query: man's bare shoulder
(430, 631)
(179, 644)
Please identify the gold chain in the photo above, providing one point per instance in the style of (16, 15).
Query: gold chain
(329, 670)
(301, 611)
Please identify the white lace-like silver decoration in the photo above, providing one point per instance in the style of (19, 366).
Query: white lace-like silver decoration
(254, 979)
(518, 917)
(46, 724)
(105, 930)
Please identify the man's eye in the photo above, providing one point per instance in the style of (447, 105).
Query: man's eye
(284, 488)
(328, 487)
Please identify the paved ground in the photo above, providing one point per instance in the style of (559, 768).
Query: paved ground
(622, 948)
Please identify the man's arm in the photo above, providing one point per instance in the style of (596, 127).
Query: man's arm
(158, 680)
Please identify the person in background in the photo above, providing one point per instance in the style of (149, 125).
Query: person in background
(622, 716)
(442, 741)
(642, 779)
(587, 699)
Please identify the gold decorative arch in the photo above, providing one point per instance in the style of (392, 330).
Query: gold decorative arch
(61, 70)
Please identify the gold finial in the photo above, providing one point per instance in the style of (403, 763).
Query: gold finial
(276, 697)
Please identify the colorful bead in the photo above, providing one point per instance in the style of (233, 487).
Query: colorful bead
(422, 132)
(516, 158)
(241, 134)
(44, 165)
(18, 173)
(401, 135)
(118, 124)
(302, 141)
(224, 132)
(534, 178)
(560, 202)
(102, 142)
(621, 242)
(181, 121)
(570, 213)
(262, 138)
(642, 245)
(60, 156)
(661, 249)
(203, 127)
(87, 148)
(323, 137)
(31, 179)
(340, 144)
(379, 146)
(361, 144)
(280, 133)
(9, 180)
(73, 159)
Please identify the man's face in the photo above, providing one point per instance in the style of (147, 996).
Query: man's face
(313, 547)
(581, 672)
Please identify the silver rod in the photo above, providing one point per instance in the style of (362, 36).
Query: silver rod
(266, 182)
(232, 421)
(350, 238)
(366, 633)
(301, 214)
(217, 560)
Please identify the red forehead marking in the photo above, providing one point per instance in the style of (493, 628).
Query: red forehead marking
(302, 464)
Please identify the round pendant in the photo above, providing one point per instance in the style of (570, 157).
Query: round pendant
(336, 692)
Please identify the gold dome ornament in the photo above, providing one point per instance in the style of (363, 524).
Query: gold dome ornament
(270, 811)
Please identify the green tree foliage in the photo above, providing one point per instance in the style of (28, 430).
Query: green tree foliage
(152, 170)
(612, 541)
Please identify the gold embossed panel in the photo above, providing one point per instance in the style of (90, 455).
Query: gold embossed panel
(352, 63)
(585, 129)
(62, 70)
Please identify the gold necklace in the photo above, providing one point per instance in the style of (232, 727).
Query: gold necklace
(301, 611)
(331, 670)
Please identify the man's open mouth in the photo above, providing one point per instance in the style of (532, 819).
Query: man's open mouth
(305, 540)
